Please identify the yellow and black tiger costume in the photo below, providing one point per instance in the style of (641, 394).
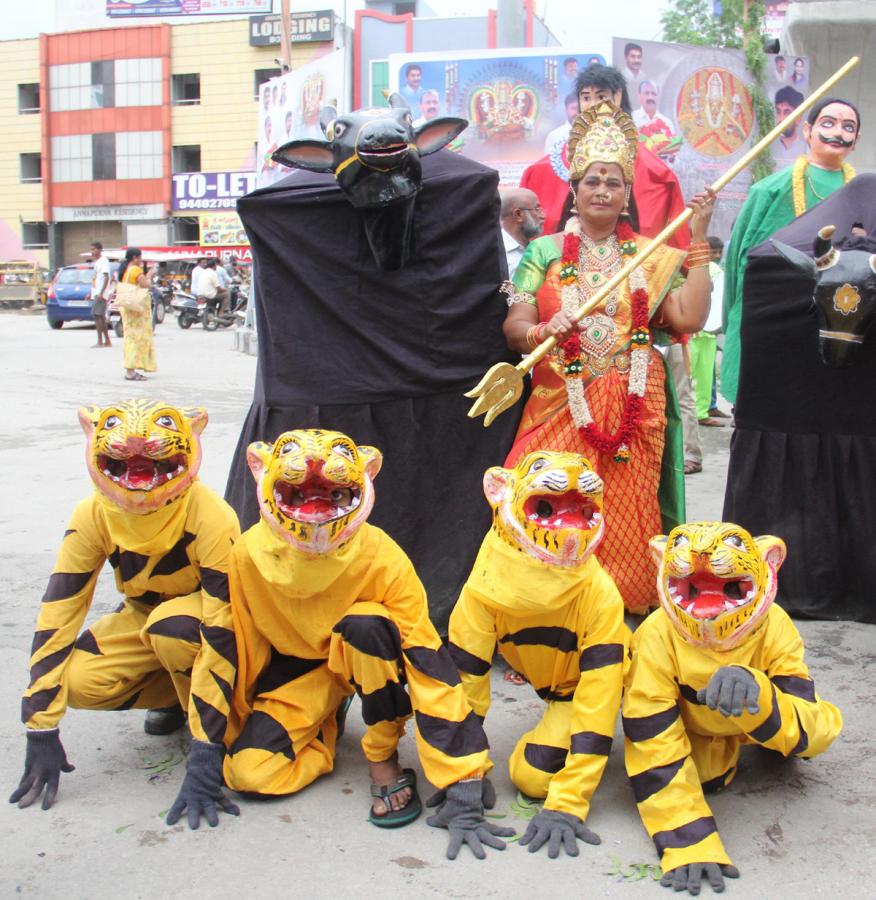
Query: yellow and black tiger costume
(325, 604)
(716, 587)
(168, 538)
(538, 590)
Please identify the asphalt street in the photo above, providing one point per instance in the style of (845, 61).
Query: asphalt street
(801, 829)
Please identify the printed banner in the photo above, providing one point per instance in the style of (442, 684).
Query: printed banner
(120, 8)
(516, 105)
(222, 229)
(289, 107)
(210, 190)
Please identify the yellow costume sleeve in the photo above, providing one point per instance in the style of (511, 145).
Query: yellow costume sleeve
(472, 642)
(64, 607)
(215, 669)
(792, 719)
(664, 778)
(596, 701)
(450, 737)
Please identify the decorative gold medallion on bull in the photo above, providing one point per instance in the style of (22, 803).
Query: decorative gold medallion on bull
(846, 299)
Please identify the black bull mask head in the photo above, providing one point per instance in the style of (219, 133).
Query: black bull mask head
(374, 154)
(845, 294)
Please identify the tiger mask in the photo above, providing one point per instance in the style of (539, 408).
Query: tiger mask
(716, 582)
(315, 488)
(142, 454)
(549, 506)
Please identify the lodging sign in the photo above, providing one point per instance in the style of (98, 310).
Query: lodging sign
(303, 27)
(210, 190)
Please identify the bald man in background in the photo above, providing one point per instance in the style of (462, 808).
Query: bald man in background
(522, 220)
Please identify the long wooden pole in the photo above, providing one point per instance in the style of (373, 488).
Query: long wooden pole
(547, 345)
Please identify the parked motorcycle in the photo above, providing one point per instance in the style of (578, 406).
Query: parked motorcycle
(187, 308)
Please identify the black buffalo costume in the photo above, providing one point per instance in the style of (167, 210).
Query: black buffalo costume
(803, 455)
(385, 356)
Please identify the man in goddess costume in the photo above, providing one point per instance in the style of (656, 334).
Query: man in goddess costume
(602, 394)
(325, 605)
(716, 667)
(831, 129)
(168, 538)
(538, 591)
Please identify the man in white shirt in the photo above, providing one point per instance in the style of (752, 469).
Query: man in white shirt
(560, 134)
(211, 287)
(100, 283)
(647, 113)
(197, 272)
(522, 220)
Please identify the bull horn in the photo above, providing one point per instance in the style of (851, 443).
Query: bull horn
(823, 248)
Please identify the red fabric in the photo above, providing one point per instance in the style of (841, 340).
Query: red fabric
(658, 195)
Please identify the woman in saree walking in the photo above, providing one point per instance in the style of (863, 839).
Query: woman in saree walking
(137, 323)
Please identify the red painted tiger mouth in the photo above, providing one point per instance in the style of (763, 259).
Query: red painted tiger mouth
(706, 596)
(141, 473)
(569, 510)
(316, 500)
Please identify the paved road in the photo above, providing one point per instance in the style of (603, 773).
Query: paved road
(800, 829)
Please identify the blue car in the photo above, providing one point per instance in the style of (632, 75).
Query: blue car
(69, 297)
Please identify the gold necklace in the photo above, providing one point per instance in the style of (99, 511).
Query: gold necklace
(800, 177)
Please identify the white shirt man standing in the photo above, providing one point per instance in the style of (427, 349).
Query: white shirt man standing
(100, 283)
(522, 219)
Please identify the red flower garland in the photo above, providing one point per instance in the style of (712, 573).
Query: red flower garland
(616, 443)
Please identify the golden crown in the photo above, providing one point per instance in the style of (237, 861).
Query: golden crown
(603, 134)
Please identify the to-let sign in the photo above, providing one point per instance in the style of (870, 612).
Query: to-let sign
(303, 27)
(210, 190)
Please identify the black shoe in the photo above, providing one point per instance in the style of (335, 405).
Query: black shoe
(164, 721)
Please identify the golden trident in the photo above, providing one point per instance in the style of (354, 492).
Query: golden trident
(502, 386)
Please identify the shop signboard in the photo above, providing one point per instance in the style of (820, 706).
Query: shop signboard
(116, 9)
(304, 27)
(145, 211)
(221, 229)
(210, 190)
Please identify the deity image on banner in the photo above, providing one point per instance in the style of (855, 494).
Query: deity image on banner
(715, 112)
(312, 97)
(503, 110)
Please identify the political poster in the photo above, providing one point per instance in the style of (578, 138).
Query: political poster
(518, 103)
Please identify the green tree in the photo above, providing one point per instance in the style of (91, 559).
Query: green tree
(695, 22)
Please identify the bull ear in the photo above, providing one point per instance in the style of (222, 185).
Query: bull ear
(797, 258)
(326, 115)
(438, 133)
(396, 101)
(316, 156)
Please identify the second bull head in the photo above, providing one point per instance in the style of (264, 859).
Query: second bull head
(845, 293)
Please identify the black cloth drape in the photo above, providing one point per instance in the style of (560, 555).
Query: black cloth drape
(385, 356)
(803, 455)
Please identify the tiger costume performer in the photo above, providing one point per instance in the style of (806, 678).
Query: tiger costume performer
(325, 605)
(168, 539)
(538, 590)
(717, 666)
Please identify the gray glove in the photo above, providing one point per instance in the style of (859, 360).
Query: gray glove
(557, 828)
(44, 761)
(731, 690)
(201, 789)
(462, 814)
(689, 878)
(488, 795)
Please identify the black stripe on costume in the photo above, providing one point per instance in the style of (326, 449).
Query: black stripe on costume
(374, 635)
(601, 655)
(649, 782)
(553, 636)
(689, 693)
(183, 628)
(114, 558)
(221, 683)
(453, 738)
(545, 758)
(68, 532)
(63, 585)
(804, 688)
(468, 662)
(40, 638)
(215, 583)
(437, 664)
(213, 722)
(591, 742)
(386, 704)
(770, 726)
(802, 744)
(148, 598)
(221, 640)
(263, 732)
(282, 669)
(643, 728)
(549, 696)
(176, 558)
(47, 663)
(131, 564)
(38, 702)
(713, 785)
(129, 703)
(684, 835)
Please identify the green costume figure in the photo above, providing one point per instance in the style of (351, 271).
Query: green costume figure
(831, 129)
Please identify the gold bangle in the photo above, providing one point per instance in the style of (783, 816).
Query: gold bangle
(531, 337)
(699, 264)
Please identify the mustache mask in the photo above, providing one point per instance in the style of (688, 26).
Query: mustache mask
(837, 141)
